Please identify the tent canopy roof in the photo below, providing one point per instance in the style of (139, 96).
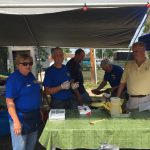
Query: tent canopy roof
(97, 27)
(51, 6)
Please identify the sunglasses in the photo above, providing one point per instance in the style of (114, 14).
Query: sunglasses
(27, 63)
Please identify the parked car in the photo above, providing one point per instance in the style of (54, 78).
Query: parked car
(86, 64)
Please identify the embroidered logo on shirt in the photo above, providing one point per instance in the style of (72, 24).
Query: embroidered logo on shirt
(113, 76)
(68, 74)
(28, 85)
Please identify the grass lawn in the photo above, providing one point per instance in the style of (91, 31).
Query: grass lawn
(87, 79)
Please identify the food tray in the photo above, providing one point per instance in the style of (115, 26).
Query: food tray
(121, 115)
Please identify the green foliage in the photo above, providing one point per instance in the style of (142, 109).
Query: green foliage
(3, 52)
(66, 50)
(104, 53)
(99, 53)
(108, 53)
(147, 25)
(43, 55)
(148, 53)
(3, 60)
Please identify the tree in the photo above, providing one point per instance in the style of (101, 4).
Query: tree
(147, 25)
(3, 60)
(41, 56)
(99, 53)
(104, 53)
(66, 50)
(109, 53)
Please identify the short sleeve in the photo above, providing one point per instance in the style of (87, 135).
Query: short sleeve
(125, 74)
(11, 88)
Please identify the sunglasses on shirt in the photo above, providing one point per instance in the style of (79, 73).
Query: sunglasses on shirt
(27, 63)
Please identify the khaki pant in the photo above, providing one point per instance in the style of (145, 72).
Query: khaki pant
(134, 102)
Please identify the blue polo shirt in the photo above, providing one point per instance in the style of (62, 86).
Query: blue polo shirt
(24, 90)
(114, 76)
(55, 77)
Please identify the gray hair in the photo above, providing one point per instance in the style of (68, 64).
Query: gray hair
(105, 62)
(22, 57)
(53, 50)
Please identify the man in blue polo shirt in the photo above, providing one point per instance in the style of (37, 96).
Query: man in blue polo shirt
(113, 74)
(58, 83)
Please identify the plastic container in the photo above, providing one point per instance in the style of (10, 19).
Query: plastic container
(115, 105)
(106, 146)
(4, 124)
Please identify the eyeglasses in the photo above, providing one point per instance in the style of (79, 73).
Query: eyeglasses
(27, 63)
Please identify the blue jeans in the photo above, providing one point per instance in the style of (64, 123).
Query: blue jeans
(23, 142)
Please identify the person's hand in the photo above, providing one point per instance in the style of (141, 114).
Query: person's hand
(74, 85)
(96, 91)
(107, 95)
(17, 128)
(65, 85)
(108, 90)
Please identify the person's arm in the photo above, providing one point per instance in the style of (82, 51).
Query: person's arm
(120, 89)
(114, 88)
(78, 96)
(52, 90)
(101, 86)
(74, 87)
(49, 91)
(14, 116)
(123, 80)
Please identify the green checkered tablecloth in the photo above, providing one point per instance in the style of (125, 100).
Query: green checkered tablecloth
(77, 132)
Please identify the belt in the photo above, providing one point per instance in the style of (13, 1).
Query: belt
(138, 96)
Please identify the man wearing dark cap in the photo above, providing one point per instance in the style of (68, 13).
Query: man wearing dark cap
(75, 70)
(113, 74)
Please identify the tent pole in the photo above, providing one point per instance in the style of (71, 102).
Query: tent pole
(136, 35)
